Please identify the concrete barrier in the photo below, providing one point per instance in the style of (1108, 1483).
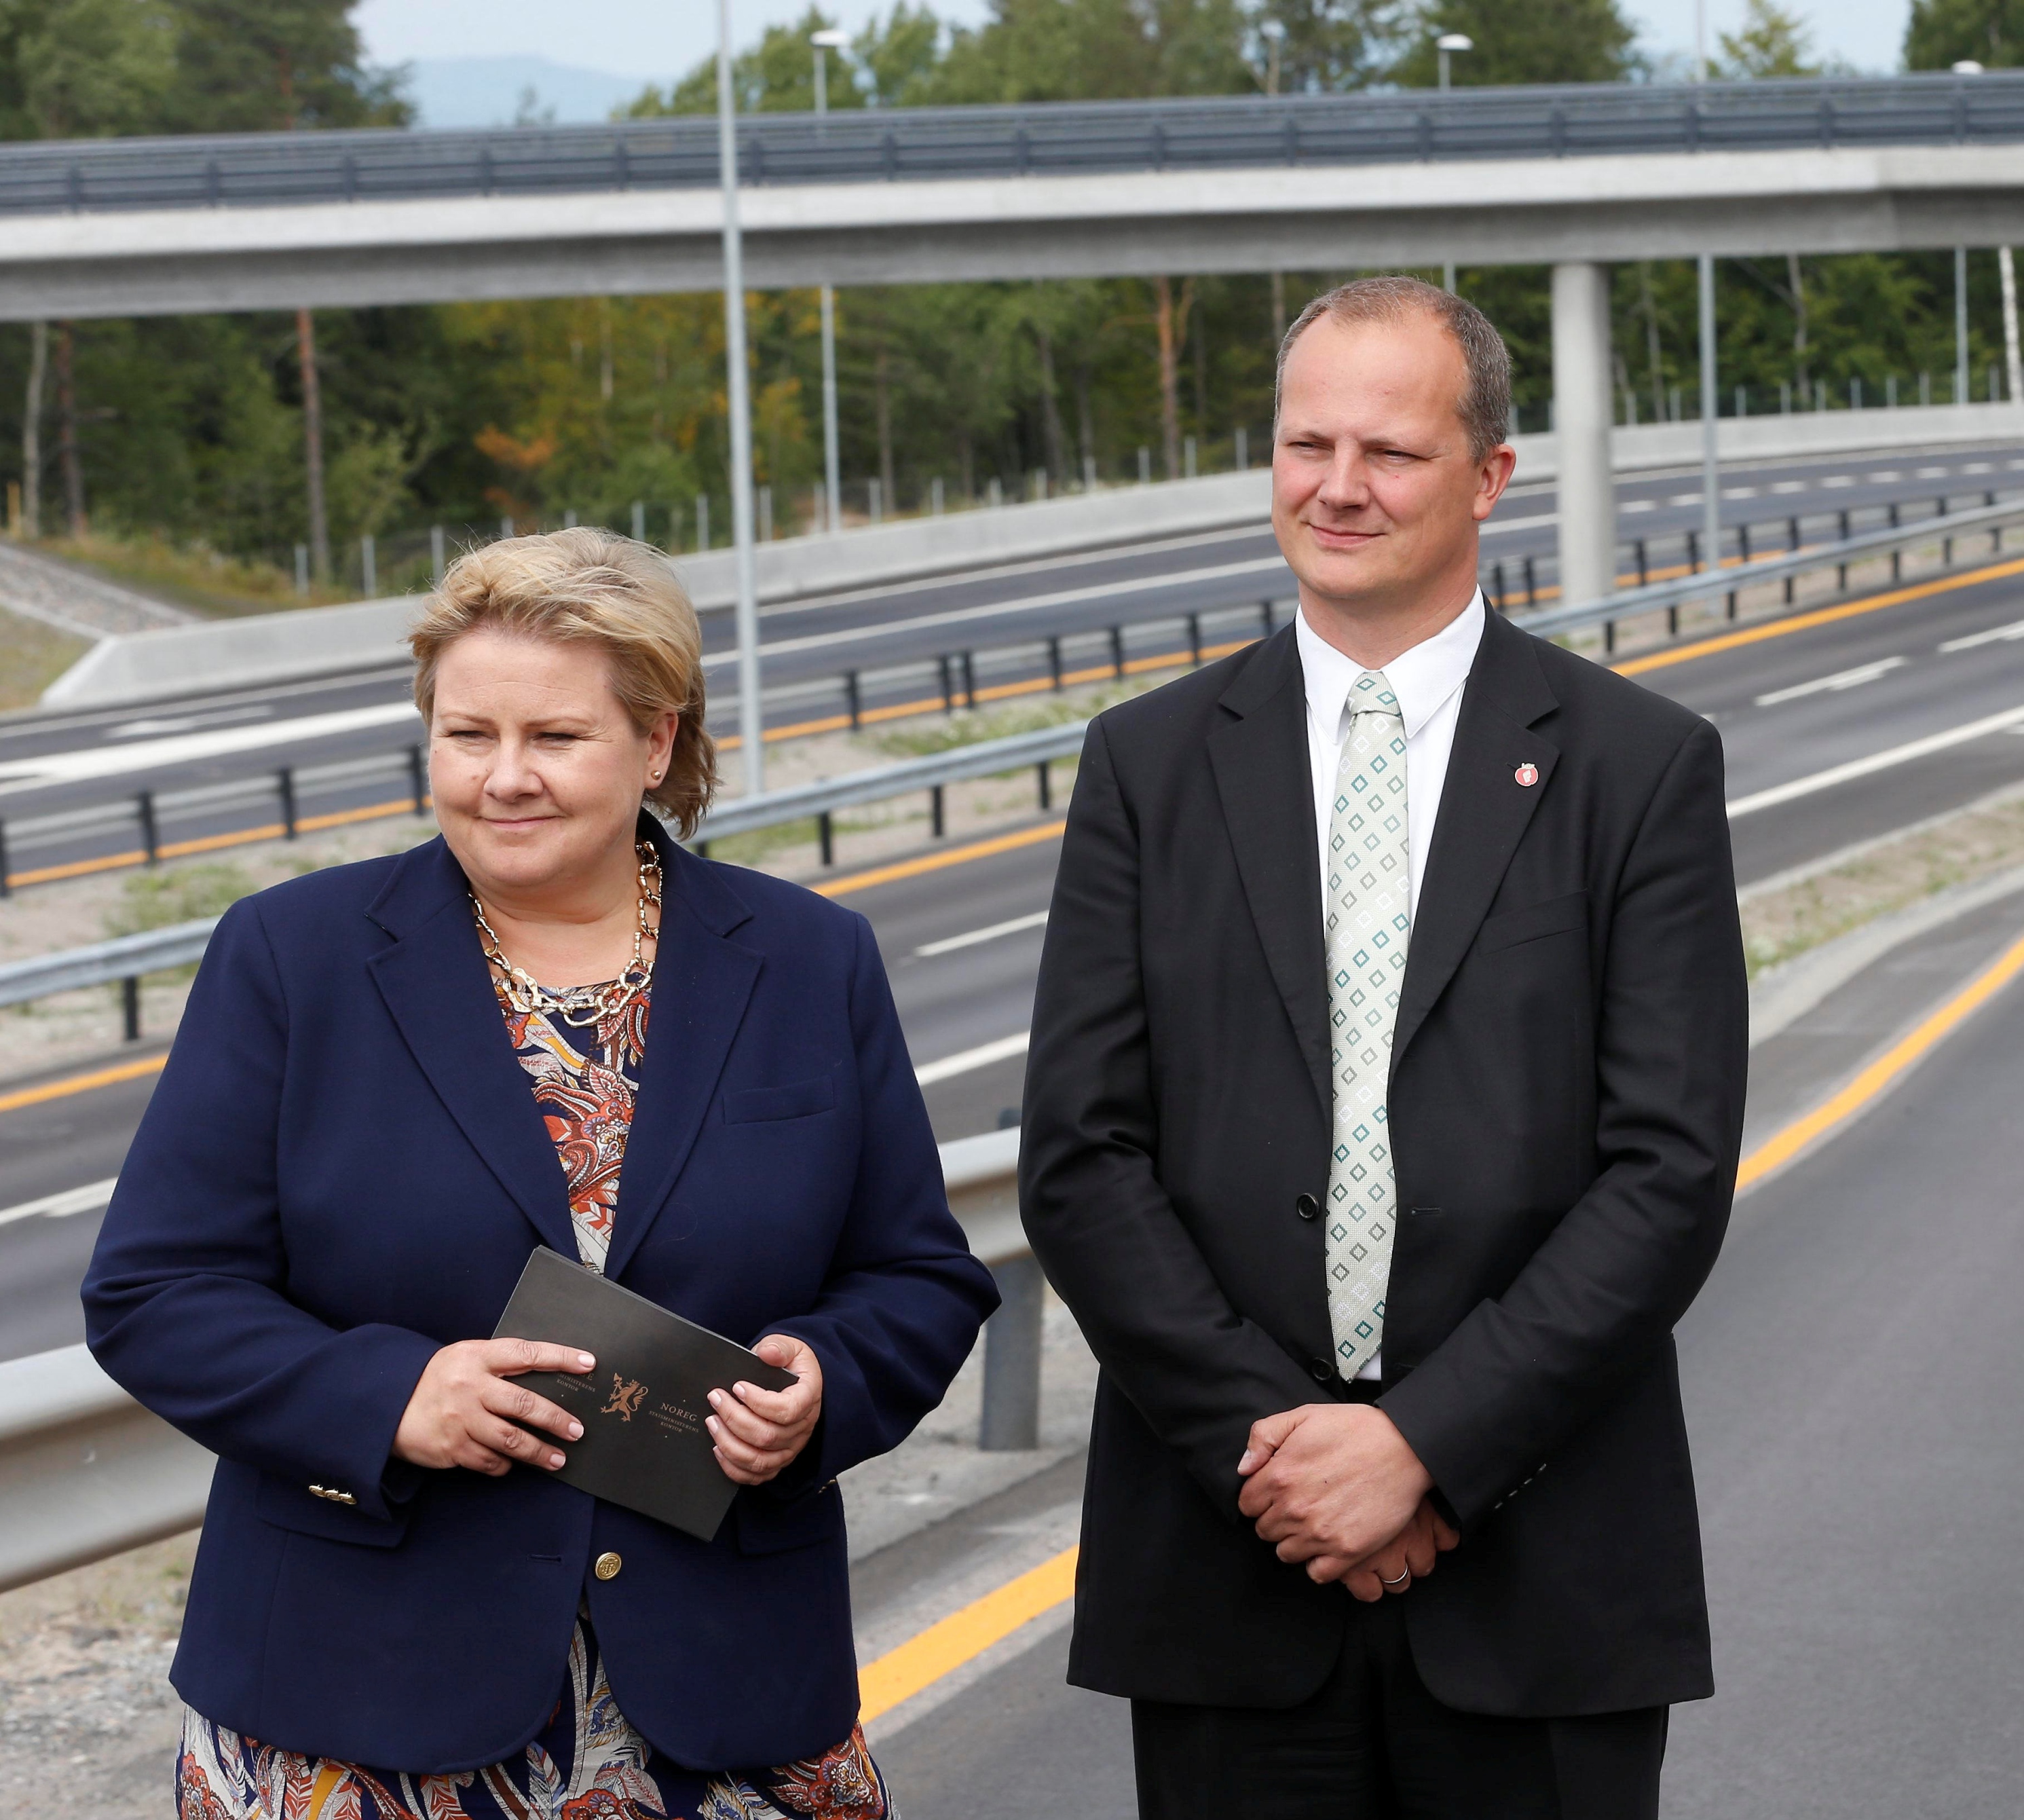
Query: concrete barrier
(277, 647)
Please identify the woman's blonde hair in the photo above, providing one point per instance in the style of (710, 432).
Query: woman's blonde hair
(588, 587)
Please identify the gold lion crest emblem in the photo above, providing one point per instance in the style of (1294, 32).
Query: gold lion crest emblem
(626, 1397)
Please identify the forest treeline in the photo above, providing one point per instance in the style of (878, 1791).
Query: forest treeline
(204, 430)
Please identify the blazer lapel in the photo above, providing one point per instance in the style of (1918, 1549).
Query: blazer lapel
(1260, 758)
(1484, 812)
(702, 983)
(437, 992)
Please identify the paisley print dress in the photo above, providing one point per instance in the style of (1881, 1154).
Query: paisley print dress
(586, 1763)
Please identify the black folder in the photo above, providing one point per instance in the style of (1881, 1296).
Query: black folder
(643, 1443)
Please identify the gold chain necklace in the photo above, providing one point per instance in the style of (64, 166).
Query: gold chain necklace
(583, 1006)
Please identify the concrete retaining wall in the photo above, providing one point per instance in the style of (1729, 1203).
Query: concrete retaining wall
(275, 647)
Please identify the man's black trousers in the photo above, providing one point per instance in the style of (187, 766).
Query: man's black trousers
(1374, 1744)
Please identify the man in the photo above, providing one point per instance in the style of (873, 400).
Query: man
(1381, 1120)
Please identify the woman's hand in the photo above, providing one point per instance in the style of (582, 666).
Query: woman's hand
(759, 1432)
(466, 1411)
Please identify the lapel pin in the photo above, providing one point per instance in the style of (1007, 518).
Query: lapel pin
(1527, 775)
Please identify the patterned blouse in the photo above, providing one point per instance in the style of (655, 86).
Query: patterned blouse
(586, 1763)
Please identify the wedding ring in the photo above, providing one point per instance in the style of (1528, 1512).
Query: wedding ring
(1390, 1585)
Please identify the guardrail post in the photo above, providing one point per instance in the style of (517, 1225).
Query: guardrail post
(1117, 651)
(853, 696)
(1054, 659)
(1644, 568)
(970, 679)
(1265, 617)
(1792, 544)
(1496, 579)
(1047, 787)
(1743, 542)
(936, 820)
(1608, 637)
(1011, 1418)
(1194, 639)
(1841, 569)
(6, 884)
(1693, 551)
(150, 842)
(825, 835)
(1897, 556)
(1531, 585)
(948, 683)
(418, 780)
(130, 1007)
(286, 777)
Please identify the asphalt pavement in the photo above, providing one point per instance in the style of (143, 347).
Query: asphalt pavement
(925, 640)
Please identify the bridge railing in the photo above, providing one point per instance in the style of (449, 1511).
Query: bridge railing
(1598, 119)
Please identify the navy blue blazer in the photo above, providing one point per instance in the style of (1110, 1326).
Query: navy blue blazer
(343, 1168)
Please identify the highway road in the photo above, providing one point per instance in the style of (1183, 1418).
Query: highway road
(1800, 705)
(1850, 1374)
(1849, 1371)
(51, 765)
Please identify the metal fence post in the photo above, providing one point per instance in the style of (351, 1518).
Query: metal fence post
(418, 780)
(1531, 584)
(130, 1007)
(286, 777)
(853, 694)
(970, 679)
(1194, 639)
(1644, 568)
(1054, 659)
(825, 835)
(1265, 617)
(6, 883)
(937, 819)
(1046, 787)
(150, 839)
(1117, 651)
(1011, 1419)
(948, 683)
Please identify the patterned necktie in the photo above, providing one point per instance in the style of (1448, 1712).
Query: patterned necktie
(1368, 925)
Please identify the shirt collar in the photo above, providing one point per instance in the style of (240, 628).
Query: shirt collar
(1422, 678)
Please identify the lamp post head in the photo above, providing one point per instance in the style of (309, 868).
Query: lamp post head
(1968, 66)
(1454, 41)
(830, 39)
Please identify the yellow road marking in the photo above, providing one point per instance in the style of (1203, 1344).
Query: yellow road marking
(1806, 622)
(962, 1636)
(1884, 1070)
(272, 830)
(1024, 837)
(72, 1083)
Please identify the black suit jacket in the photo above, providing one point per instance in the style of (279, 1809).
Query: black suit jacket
(1566, 1107)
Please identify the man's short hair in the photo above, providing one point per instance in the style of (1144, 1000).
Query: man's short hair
(1485, 407)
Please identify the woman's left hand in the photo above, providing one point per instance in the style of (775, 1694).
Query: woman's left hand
(759, 1432)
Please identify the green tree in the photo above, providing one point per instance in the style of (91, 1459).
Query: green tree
(776, 76)
(1943, 32)
(252, 66)
(1087, 51)
(76, 69)
(1772, 43)
(1327, 46)
(1539, 41)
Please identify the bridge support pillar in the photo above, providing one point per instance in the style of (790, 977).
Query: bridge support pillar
(1583, 411)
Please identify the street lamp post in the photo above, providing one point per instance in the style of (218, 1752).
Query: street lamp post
(825, 42)
(1448, 44)
(1274, 32)
(751, 722)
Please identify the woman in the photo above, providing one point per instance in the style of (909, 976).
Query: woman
(396, 1610)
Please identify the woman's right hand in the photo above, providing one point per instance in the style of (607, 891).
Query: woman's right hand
(466, 1411)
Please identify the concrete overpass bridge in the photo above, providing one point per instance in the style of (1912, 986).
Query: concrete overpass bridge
(1575, 178)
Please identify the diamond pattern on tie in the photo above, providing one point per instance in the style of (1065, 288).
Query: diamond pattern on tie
(1369, 926)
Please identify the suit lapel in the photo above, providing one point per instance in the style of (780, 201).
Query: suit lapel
(437, 992)
(1266, 785)
(1484, 813)
(702, 983)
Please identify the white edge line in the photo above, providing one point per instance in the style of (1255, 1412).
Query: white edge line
(1876, 761)
(949, 944)
(1003, 1049)
(88, 1199)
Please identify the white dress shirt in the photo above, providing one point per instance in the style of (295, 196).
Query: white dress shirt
(1426, 682)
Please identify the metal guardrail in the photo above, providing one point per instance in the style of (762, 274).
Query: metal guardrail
(1669, 596)
(1599, 119)
(86, 1471)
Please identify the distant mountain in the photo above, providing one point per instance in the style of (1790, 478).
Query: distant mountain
(495, 91)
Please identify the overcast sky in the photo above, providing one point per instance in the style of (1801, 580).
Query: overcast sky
(650, 38)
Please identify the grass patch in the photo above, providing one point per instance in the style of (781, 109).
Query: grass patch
(972, 726)
(160, 900)
(32, 656)
(192, 575)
